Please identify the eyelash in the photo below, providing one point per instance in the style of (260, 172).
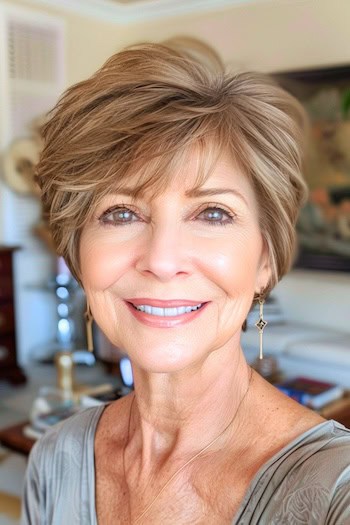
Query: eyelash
(126, 207)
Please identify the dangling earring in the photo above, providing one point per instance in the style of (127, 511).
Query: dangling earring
(88, 322)
(260, 324)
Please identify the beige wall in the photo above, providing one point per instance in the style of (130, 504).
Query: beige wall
(271, 36)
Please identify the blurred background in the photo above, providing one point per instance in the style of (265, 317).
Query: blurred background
(47, 45)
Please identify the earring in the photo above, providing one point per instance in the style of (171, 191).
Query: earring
(88, 323)
(260, 324)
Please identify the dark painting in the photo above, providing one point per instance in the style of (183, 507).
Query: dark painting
(324, 223)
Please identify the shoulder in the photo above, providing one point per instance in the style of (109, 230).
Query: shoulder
(331, 462)
(60, 469)
(70, 435)
(319, 457)
(329, 446)
(314, 477)
(75, 427)
(307, 481)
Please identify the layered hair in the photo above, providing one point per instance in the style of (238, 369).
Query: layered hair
(132, 123)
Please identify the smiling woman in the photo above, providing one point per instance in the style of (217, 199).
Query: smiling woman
(173, 187)
(146, 256)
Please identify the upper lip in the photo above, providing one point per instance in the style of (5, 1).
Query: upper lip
(172, 303)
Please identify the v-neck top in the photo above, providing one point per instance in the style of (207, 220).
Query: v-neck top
(306, 483)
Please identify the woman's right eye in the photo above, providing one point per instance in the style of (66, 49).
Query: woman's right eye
(118, 216)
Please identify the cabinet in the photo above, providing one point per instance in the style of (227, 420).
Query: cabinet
(9, 369)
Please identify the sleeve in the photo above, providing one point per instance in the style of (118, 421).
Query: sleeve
(339, 512)
(30, 514)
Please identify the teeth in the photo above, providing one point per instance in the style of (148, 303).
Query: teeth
(166, 312)
(181, 310)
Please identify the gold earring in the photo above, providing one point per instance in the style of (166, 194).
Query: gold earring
(88, 323)
(260, 324)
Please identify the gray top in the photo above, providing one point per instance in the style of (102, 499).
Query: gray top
(307, 482)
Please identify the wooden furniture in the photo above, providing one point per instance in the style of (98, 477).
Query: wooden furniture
(9, 368)
(339, 410)
(13, 438)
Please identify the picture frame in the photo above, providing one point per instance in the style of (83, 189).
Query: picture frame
(324, 224)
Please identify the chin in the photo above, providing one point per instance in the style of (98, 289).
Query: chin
(166, 360)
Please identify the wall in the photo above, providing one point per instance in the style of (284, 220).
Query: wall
(317, 298)
(268, 36)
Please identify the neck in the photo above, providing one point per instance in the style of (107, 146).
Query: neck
(175, 415)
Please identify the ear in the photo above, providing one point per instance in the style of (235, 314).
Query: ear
(264, 271)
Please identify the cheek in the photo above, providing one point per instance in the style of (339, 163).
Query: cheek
(232, 265)
(102, 262)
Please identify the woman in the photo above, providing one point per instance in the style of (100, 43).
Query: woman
(172, 190)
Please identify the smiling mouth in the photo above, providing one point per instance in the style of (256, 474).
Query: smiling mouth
(166, 312)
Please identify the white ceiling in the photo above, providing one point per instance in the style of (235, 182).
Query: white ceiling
(129, 11)
(128, 2)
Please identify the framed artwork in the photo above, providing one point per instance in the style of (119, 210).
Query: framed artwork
(324, 223)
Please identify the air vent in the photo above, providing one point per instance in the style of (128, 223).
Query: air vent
(32, 52)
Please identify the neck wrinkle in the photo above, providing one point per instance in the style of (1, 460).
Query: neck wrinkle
(171, 428)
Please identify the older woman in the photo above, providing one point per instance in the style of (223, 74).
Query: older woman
(173, 191)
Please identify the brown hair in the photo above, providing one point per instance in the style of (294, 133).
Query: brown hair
(134, 120)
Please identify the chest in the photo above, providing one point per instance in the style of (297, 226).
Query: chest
(211, 496)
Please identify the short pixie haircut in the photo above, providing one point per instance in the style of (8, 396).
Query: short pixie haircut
(131, 124)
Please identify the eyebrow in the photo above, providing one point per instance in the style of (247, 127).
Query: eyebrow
(204, 192)
(197, 192)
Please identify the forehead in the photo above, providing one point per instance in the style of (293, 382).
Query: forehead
(225, 172)
(191, 175)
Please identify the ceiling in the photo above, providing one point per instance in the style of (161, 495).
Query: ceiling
(129, 2)
(129, 11)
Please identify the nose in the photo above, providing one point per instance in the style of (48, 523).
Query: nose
(164, 254)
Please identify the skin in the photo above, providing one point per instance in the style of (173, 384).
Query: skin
(189, 379)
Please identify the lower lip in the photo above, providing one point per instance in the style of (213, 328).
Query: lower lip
(165, 322)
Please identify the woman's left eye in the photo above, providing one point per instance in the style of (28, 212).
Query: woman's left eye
(216, 216)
